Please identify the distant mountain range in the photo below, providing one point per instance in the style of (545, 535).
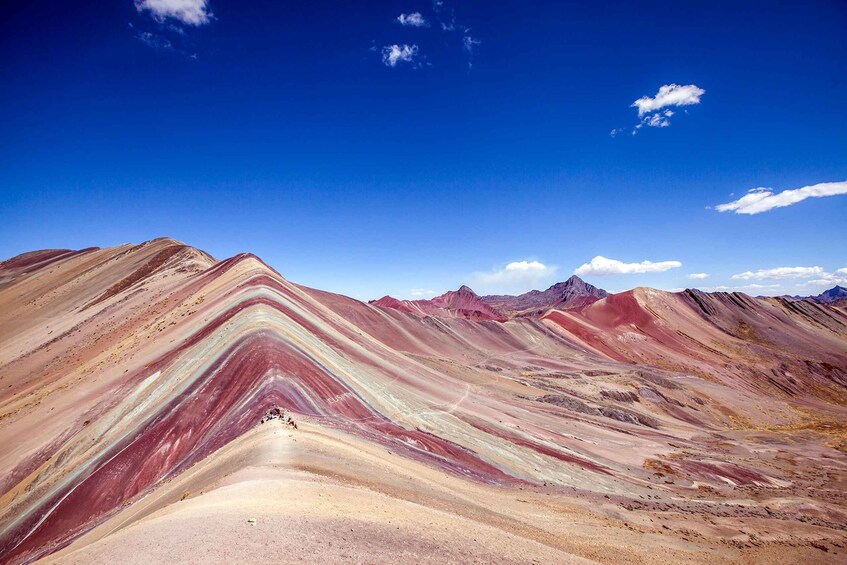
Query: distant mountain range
(462, 303)
(836, 296)
(465, 303)
(572, 294)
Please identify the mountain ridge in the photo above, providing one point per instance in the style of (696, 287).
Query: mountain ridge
(465, 303)
(148, 404)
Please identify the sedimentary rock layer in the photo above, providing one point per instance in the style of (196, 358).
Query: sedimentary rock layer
(644, 426)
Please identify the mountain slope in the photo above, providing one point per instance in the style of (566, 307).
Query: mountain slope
(134, 379)
(772, 344)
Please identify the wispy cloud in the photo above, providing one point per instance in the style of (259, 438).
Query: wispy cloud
(189, 12)
(394, 54)
(517, 276)
(826, 282)
(780, 273)
(414, 19)
(660, 120)
(443, 17)
(657, 120)
(783, 280)
(760, 200)
(469, 44)
(421, 292)
(786, 280)
(155, 41)
(816, 277)
(440, 8)
(698, 276)
(753, 287)
(601, 266)
(756, 286)
(446, 17)
(161, 43)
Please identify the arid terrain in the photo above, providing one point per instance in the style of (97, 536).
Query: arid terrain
(564, 426)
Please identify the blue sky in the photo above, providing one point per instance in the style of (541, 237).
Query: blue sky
(364, 156)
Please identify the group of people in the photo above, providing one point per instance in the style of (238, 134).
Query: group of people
(277, 413)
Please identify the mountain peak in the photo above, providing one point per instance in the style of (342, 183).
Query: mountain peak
(574, 282)
(835, 293)
(565, 295)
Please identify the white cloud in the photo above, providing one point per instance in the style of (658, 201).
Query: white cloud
(781, 273)
(414, 19)
(418, 292)
(759, 200)
(721, 288)
(189, 12)
(669, 95)
(393, 54)
(600, 266)
(816, 282)
(771, 288)
(839, 277)
(650, 109)
(698, 276)
(516, 276)
(817, 277)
